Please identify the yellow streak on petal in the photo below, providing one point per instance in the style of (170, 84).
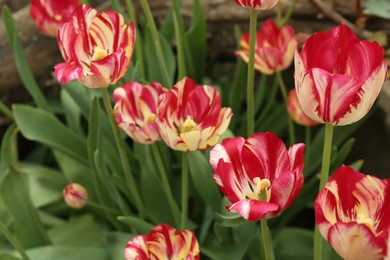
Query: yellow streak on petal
(99, 54)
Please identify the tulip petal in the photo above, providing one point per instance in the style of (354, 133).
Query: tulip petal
(254, 210)
(65, 72)
(137, 248)
(354, 241)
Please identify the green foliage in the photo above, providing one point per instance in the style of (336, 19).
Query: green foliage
(380, 8)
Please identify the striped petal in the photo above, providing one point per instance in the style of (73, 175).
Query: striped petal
(257, 4)
(254, 210)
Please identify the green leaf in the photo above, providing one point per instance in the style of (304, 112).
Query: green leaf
(15, 194)
(8, 256)
(38, 125)
(68, 252)
(339, 156)
(202, 178)
(294, 243)
(196, 39)
(140, 225)
(46, 184)
(8, 153)
(233, 220)
(380, 8)
(71, 111)
(116, 242)
(357, 165)
(68, 234)
(21, 62)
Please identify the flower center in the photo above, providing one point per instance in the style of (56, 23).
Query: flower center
(189, 125)
(362, 219)
(98, 53)
(263, 190)
(149, 118)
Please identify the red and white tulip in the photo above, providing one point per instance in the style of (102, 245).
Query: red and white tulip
(258, 4)
(352, 214)
(338, 77)
(295, 111)
(97, 47)
(190, 117)
(135, 110)
(163, 243)
(75, 195)
(258, 175)
(49, 15)
(274, 49)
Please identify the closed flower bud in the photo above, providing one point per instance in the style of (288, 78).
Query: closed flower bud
(75, 195)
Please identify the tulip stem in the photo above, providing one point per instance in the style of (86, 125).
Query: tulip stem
(122, 154)
(267, 243)
(251, 73)
(289, 13)
(104, 208)
(323, 179)
(291, 130)
(157, 44)
(184, 190)
(166, 186)
(13, 240)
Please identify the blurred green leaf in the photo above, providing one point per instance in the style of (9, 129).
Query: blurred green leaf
(68, 252)
(38, 125)
(294, 243)
(71, 111)
(138, 224)
(380, 8)
(232, 220)
(8, 256)
(8, 153)
(202, 179)
(116, 242)
(15, 194)
(339, 156)
(357, 165)
(21, 62)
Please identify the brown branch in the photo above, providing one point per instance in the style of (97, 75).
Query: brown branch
(328, 11)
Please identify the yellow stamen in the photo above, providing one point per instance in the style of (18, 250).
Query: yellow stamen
(99, 54)
(57, 17)
(150, 118)
(189, 125)
(362, 219)
(262, 189)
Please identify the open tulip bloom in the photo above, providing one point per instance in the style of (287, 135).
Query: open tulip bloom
(135, 110)
(49, 15)
(259, 176)
(352, 214)
(258, 4)
(274, 49)
(163, 243)
(97, 47)
(190, 117)
(338, 77)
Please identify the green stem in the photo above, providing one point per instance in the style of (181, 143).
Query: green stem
(13, 240)
(289, 12)
(267, 244)
(291, 129)
(180, 48)
(6, 111)
(184, 190)
(157, 44)
(279, 15)
(138, 47)
(269, 105)
(323, 179)
(104, 208)
(122, 154)
(166, 186)
(251, 73)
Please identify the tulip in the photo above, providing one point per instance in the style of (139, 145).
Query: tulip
(257, 4)
(135, 110)
(163, 243)
(295, 111)
(49, 15)
(97, 47)
(259, 176)
(352, 214)
(75, 195)
(338, 77)
(274, 49)
(190, 117)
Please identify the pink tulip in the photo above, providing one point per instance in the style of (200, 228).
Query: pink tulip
(75, 195)
(49, 15)
(295, 111)
(274, 49)
(338, 77)
(163, 243)
(352, 214)
(257, 4)
(190, 117)
(97, 47)
(135, 110)
(259, 176)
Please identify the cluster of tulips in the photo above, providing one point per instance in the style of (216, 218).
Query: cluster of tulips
(337, 80)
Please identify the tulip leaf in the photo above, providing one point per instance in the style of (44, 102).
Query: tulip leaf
(339, 156)
(15, 194)
(67, 252)
(294, 243)
(38, 125)
(357, 165)
(71, 111)
(233, 220)
(21, 62)
(8, 153)
(115, 243)
(202, 178)
(140, 225)
(8, 256)
(380, 8)
(196, 43)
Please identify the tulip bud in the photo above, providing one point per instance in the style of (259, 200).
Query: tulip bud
(75, 195)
